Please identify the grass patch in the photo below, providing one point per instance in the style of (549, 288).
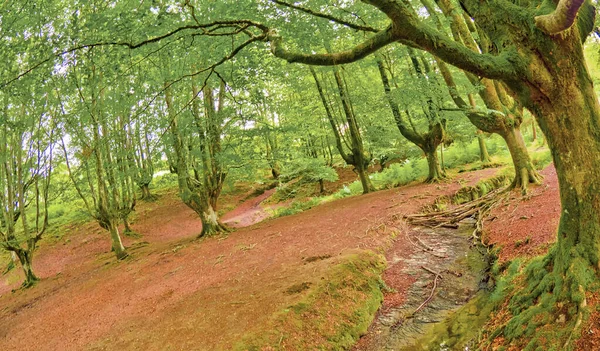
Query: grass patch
(332, 315)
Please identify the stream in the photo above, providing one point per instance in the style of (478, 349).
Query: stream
(462, 271)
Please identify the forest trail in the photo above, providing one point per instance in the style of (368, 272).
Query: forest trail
(179, 293)
(250, 212)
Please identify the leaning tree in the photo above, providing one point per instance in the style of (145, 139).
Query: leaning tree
(536, 50)
(533, 48)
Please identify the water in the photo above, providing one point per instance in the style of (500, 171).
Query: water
(463, 272)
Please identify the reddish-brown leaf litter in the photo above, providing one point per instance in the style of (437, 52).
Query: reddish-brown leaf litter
(526, 225)
(179, 293)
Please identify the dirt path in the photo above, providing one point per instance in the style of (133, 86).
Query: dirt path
(180, 293)
(250, 212)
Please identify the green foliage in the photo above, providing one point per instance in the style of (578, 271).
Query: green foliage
(297, 207)
(308, 170)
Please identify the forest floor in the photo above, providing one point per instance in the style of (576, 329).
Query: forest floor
(177, 292)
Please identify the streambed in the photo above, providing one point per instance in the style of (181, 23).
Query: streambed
(462, 270)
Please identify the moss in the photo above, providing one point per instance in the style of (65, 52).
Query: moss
(333, 315)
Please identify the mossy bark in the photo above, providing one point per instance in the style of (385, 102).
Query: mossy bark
(117, 243)
(435, 170)
(484, 156)
(146, 194)
(525, 172)
(193, 194)
(427, 142)
(26, 258)
(365, 181)
(210, 223)
(356, 156)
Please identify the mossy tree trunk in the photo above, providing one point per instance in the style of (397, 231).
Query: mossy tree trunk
(27, 140)
(536, 50)
(435, 170)
(191, 191)
(427, 142)
(117, 243)
(525, 172)
(484, 156)
(352, 150)
(26, 260)
(505, 114)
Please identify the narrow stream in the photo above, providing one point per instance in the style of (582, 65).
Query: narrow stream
(462, 269)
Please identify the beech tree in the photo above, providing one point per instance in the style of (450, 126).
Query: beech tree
(347, 135)
(529, 55)
(27, 140)
(535, 50)
(430, 140)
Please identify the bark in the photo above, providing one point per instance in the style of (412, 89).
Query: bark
(190, 192)
(435, 170)
(484, 156)
(117, 244)
(365, 181)
(525, 172)
(146, 193)
(570, 119)
(533, 130)
(357, 156)
(428, 142)
(210, 223)
(360, 160)
(26, 258)
(547, 74)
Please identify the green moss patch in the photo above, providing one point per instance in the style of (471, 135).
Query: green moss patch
(332, 315)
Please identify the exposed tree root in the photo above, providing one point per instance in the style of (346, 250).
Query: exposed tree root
(524, 177)
(550, 308)
(436, 179)
(214, 229)
(477, 209)
(437, 276)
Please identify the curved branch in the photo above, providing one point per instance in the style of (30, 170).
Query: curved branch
(407, 29)
(367, 47)
(561, 19)
(206, 29)
(326, 16)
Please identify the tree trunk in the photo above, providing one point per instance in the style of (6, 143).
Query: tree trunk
(210, 223)
(365, 181)
(525, 173)
(117, 244)
(435, 171)
(146, 194)
(533, 130)
(25, 258)
(570, 120)
(321, 186)
(484, 156)
(442, 167)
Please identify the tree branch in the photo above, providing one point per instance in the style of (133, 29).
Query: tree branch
(407, 29)
(325, 16)
(367, 47)
(561, 19)
(206, 28)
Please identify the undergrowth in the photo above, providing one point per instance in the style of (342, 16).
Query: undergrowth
(540, 308)
(332, 315)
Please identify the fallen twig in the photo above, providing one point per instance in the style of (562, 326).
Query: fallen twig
(437, 276)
